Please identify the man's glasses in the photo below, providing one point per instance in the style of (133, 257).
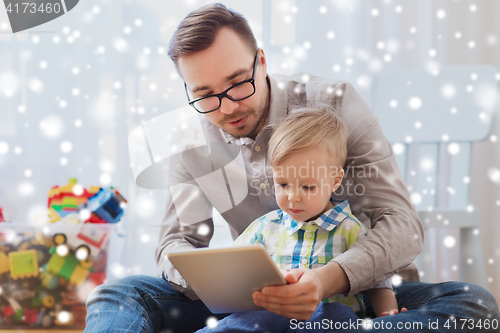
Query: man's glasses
(238, 92)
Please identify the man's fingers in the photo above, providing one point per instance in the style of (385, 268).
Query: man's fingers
(289, 290)
(294, 275)
(259, 298)
(305, 299)
(290, 278)
(298, 299)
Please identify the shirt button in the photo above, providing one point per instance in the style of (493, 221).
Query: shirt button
(304, 261)
(262, 185)
(257, 148)
(308, 234)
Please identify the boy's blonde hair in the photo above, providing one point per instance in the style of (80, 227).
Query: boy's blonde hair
(307, 128)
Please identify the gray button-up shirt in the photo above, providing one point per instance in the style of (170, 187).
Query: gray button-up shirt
(234, 176)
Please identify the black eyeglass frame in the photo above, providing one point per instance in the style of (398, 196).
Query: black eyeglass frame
(224, 93)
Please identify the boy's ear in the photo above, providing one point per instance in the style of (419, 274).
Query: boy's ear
(338, 179)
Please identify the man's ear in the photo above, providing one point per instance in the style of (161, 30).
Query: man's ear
(263, 62)
(338, 179)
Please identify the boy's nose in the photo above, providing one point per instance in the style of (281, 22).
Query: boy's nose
(293, 196)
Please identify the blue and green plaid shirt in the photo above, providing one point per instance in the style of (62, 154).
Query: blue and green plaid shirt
(294, 244)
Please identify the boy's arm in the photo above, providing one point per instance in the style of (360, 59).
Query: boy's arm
(251, 234)
(382, 300)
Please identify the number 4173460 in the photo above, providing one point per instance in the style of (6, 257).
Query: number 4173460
(30, 7)
(471, 324)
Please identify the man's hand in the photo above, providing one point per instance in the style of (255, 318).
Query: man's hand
(298, 299)
(305, 289)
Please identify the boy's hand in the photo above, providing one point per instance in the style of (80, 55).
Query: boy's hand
(393, 311)
(298, 299)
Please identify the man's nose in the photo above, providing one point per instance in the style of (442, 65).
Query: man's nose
(228, 106)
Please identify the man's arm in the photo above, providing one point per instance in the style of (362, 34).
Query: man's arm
(187, 223)
(378, 191)
(173, 237)
(307, 287)
(397, 234)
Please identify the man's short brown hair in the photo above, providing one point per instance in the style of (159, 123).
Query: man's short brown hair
(197, 31)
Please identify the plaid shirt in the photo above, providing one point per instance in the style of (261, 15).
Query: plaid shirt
(294, 244)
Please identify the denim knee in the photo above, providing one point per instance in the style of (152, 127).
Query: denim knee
(115, 291)
(484, 298)
(117, 306)
(478, 299)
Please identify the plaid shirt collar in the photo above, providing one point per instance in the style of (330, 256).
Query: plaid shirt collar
(328, 220)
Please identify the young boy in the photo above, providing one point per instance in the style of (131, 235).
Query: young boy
(306, 152)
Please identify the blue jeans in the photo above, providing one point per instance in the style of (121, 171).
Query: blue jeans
(438, 307)
(149, 304)
(265, 321)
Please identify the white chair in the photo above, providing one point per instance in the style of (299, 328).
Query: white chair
(432, 119)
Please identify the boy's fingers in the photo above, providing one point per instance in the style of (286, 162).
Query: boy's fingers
(393, 311)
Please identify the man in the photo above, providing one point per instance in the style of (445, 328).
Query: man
(226, 81)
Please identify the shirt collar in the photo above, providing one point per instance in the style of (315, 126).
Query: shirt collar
(278, 108)
(237, 141)
(328, 220)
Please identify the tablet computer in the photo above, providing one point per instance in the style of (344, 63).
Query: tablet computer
(225, 278)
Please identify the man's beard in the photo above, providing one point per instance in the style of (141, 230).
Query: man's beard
(261, 118)
(243, 115)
